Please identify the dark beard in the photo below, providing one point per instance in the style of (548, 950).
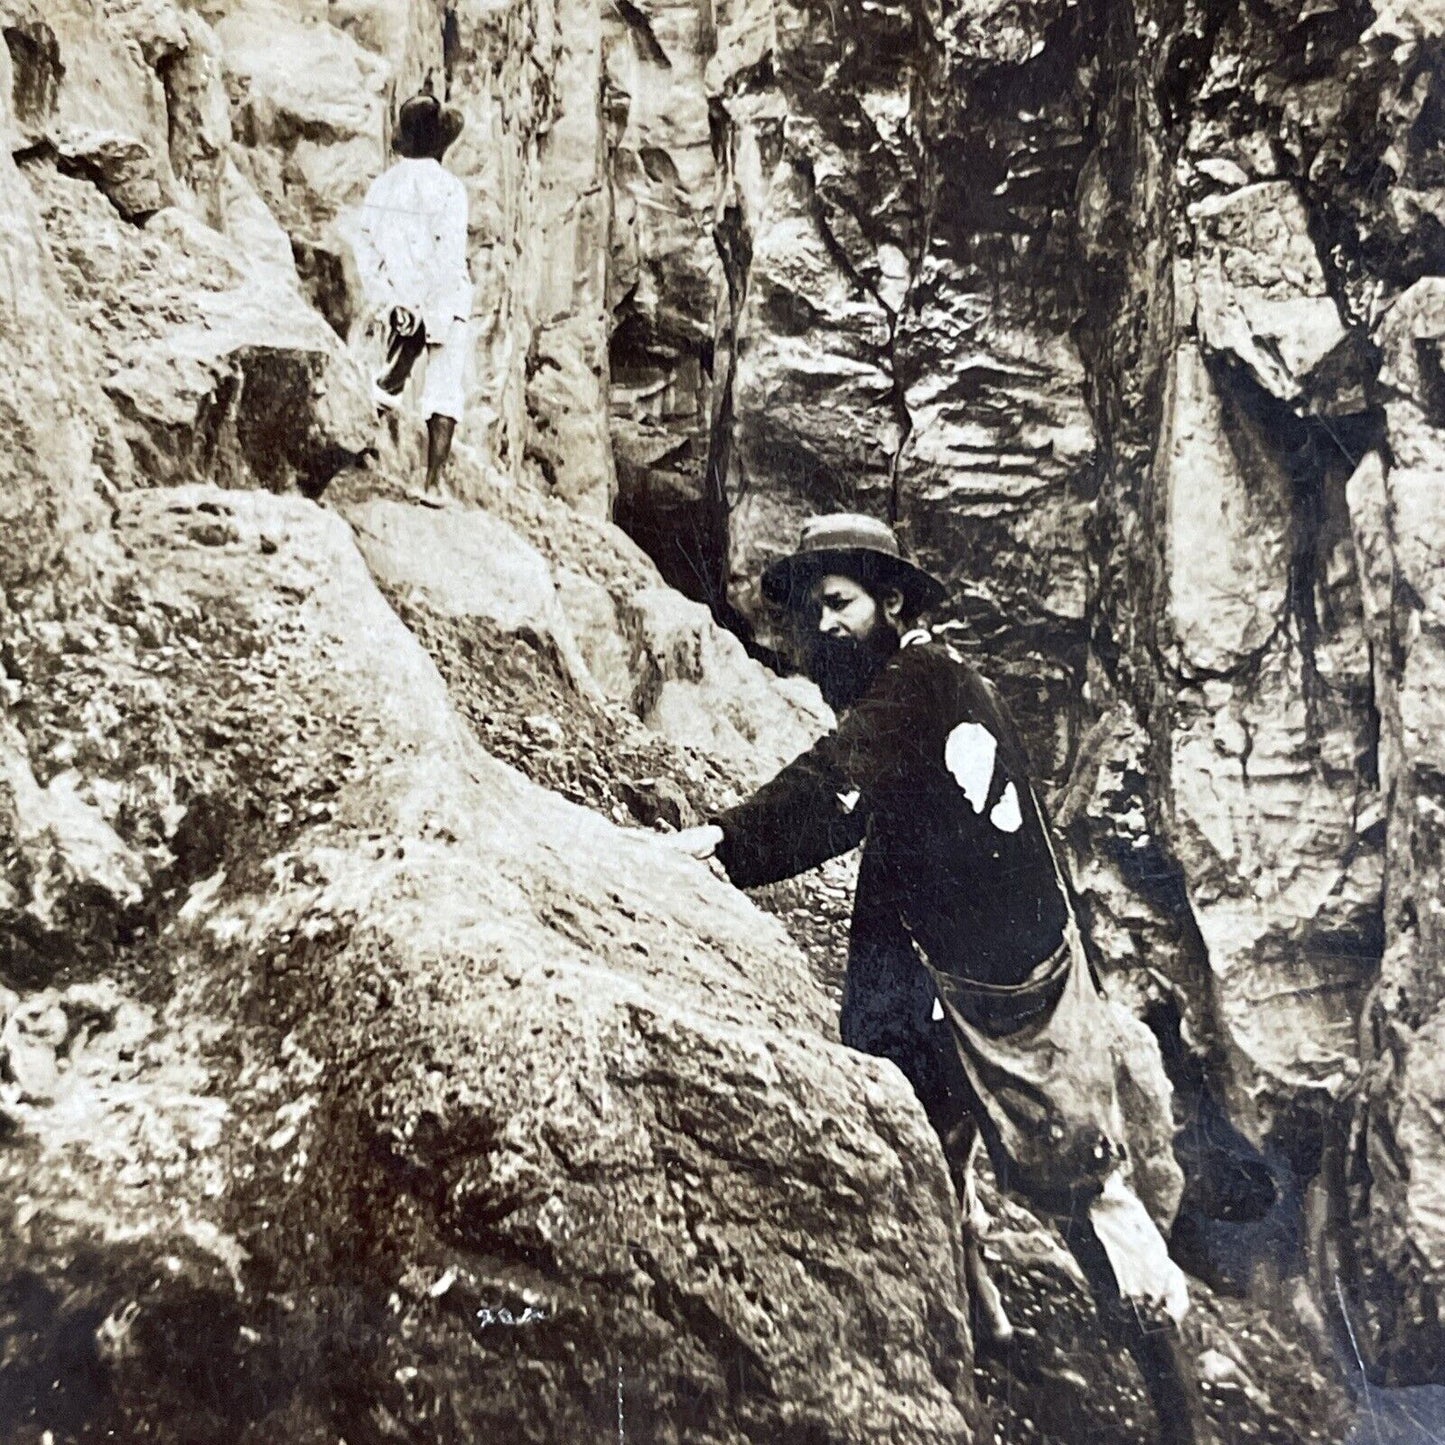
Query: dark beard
(844, 667)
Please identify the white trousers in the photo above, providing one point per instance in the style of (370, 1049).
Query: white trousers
(444, 387)
(444, 366)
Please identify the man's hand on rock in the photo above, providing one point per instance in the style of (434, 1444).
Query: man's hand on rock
(700, 842)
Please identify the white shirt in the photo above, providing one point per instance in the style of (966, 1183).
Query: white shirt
(411, 244)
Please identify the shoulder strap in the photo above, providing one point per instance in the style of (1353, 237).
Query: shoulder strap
(1071, 902)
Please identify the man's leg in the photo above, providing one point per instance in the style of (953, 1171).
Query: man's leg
(439, 431)
(1155, 1346)
(992, 1327)
(443, 397)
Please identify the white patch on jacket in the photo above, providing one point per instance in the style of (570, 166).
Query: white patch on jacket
(1005, 814)
(971, 755)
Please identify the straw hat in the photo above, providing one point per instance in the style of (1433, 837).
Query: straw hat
(854, 546)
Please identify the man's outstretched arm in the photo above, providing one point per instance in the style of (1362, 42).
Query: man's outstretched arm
(807, 814)
(788, 826)
(816, 807)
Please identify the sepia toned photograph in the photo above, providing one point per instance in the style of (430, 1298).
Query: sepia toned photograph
(722, 722)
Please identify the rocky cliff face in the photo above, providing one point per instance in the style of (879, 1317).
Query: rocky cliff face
(1125, 313)
(367, 1069)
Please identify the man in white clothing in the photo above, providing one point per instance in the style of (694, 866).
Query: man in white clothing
(411, 252)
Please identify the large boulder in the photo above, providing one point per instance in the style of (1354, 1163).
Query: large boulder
(431, 1068)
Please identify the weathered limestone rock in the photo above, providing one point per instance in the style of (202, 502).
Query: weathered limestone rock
(468, 565)
(68, 880)
(625, 638)
(566, 363)
(217, 364)
(1262, 297)
(1228, 530)
(1278, 215)
(700, 689)
(1398, 1150)
(59, 428)
(216, 369)
(309, 109)
(665, 283)
(1267, 810)
(499, 1056)
(94, 95)
(1126, 877)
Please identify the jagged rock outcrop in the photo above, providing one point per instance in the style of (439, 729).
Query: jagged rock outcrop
(1243, 273)
(215, 363)
(634, 643)
(450, 1049)
(901, 320)
(1396, 1149)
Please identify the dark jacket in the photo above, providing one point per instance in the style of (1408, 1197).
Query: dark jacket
(929, 771)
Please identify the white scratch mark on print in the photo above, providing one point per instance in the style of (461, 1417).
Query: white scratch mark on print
(1005, 814)
(1355, 1346)
(969, 755)
(937, 1009)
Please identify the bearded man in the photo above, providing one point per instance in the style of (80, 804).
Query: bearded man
(965, 965)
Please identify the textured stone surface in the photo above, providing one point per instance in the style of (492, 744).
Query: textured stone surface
(60, 427)
(551, 972)
(216, 369)
(1261, 292)
(1267, 806)
(1248, 590)
(467, 565)
(1129, 315)
(1397, 1152)
(634, 643)
(665, 284)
